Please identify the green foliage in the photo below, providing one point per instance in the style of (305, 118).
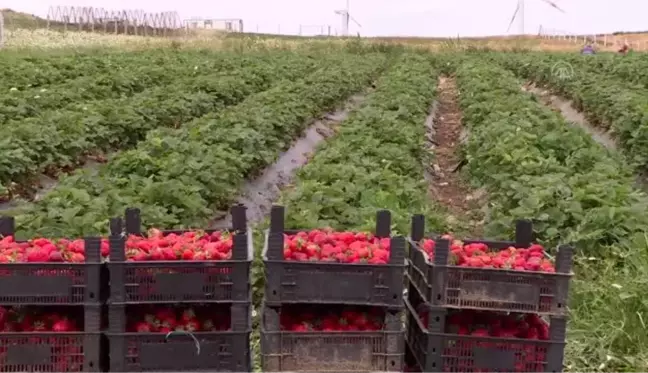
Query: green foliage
(179, 176)
(537, 166)
(375, 161)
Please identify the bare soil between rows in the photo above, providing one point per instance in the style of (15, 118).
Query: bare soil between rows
(445, 133)
(258, 194)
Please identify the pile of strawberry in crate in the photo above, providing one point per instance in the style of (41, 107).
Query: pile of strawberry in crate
(333, 300)
(485, 306)
(179, 300)
(49, 312)
(175, 301)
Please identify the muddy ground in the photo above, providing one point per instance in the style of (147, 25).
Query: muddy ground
(260, 193)
(447, 186)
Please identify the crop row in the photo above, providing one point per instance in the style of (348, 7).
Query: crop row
(19, 71)
(374, 161)
(608, 102)
(534, 164)
(178, 176)
(63, 138)
(120, 82)
(630, 68)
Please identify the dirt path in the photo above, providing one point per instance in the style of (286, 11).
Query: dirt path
(573, 116)
(260, 193)
(447, 186)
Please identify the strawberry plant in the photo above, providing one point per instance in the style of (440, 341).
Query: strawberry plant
(375, 160)
(179, 176)
(29, 102)
(535, 165)
(63, 139)
(26, 70)
(609, 102)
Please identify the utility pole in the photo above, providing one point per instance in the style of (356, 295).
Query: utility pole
(521, 2)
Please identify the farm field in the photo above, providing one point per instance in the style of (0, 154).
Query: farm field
(336, 134)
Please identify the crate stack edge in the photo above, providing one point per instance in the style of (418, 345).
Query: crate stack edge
(439, 287)
(77, 285)
(293, 282)
(180, 283)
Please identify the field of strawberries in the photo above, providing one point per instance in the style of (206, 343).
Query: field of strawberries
(118, 168)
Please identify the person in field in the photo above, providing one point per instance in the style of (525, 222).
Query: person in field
(588, 49)
(624, 49)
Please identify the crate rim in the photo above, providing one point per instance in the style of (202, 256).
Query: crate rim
(203, 333)
(341, 333)
(53, 334)
(480, 269)
(53, 264)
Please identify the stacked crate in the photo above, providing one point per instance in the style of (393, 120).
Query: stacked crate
(438, 289)
(174, 283)
(326, 285)
(72, 291)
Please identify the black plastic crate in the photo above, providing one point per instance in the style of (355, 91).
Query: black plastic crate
(326, 282)
(364, 351)
(446, 285)
(54, 352)
(222, 351)
(436, 351)
(410, 364)
(179, 281)
(51, 283)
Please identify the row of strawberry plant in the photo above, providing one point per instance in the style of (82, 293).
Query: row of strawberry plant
(37, 70)
(375, 161)
(606, 328)
(121, 82)
(535, 165)
(62, 139)
(630, 68)
(178, 177)
(608, 102)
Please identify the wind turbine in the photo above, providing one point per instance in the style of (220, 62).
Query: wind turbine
(520, 10)
(346, 16)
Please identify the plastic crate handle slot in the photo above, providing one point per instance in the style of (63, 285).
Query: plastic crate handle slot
(184, 332)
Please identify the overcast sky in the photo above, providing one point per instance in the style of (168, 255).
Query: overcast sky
(385, 17)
